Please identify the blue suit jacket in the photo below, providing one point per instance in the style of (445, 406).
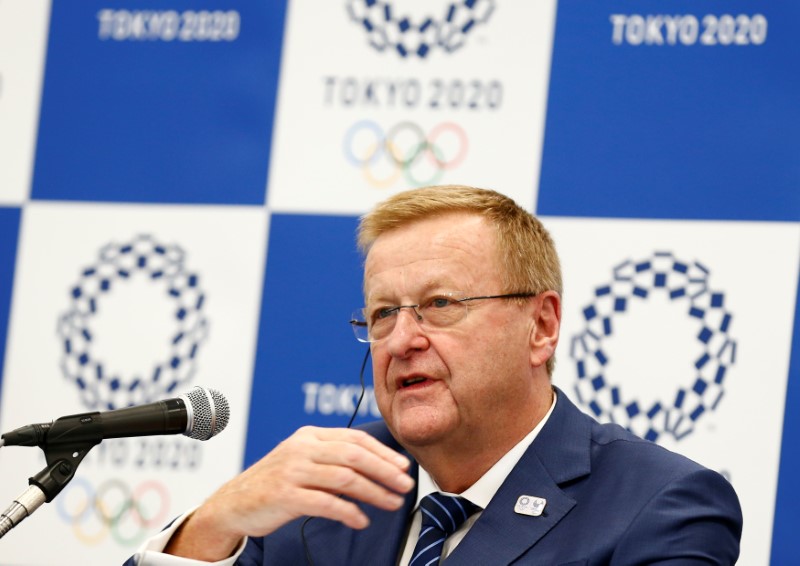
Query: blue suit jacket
(612, 498)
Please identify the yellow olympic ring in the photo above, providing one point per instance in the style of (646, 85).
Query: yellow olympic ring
(384, 183)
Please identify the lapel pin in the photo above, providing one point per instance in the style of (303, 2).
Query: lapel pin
(530, 505)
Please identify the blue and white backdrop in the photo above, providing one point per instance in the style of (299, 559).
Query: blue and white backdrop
(180, 182)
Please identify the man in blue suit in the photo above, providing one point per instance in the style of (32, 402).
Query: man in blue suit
(479, 459)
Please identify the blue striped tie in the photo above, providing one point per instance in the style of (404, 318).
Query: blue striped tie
(441, 516)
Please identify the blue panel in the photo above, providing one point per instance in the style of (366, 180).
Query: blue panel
(9, 230)
(785, 549)
(149, 117)
(672, 131)
(312, 285)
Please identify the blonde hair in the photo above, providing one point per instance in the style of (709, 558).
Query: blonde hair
(525, 248)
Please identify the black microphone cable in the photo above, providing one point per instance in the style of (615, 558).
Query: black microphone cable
(349, 424)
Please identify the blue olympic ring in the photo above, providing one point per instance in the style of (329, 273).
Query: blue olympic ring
(117, 265)
(682, 282)
(401, 153)
(112, 509)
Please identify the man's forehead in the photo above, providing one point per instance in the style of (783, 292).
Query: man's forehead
(437, 229)
(429, 256)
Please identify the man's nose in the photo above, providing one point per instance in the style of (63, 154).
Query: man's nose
(412, 310)
(408, 334)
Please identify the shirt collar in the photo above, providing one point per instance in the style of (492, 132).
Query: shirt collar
(481, 492)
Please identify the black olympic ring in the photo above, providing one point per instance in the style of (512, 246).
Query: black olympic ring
(401, 154)
(111, 512)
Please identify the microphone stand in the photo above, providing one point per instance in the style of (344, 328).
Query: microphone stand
(65, 446)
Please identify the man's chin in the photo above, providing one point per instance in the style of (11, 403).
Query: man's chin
(419, 430)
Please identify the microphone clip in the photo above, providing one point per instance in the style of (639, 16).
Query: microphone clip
(64, 450)
(63, 454)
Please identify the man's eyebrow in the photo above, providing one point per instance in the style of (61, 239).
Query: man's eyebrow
(421, 293)
(376, 296)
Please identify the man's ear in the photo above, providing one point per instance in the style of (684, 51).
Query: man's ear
(547, 323)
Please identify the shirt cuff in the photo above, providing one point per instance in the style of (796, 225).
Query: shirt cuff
(151, 553)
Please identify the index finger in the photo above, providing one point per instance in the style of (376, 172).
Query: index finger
(367, 441)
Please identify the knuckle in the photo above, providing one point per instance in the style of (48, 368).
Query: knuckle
(344, 478)
(359, 436)
(328, 506)
(352, 456)
(290, 469)
(306, 430)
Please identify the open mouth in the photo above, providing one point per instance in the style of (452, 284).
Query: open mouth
(413, 381)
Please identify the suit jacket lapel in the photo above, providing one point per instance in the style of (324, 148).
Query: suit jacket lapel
(560, 453)
(387, 533)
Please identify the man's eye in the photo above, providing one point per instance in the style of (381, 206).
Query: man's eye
(440, 302)
(384, 313)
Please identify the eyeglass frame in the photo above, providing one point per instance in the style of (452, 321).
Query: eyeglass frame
(356, 324)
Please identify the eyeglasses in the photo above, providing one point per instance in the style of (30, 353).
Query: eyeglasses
(371, 324)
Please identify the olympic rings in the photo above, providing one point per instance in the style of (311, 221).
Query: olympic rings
(113, 508)
(401, 150)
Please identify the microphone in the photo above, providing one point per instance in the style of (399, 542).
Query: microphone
(200, 414)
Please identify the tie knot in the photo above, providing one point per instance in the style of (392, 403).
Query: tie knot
(445, 512)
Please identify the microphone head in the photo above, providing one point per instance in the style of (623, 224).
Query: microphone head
(208, 413)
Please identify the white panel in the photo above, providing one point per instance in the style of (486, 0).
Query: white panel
(652, 347)
(23, 44)
(132, 327)
(473, 106)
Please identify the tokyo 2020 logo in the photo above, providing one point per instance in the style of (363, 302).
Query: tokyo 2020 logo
(685, 286)
(389, 27)
(133, 270)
